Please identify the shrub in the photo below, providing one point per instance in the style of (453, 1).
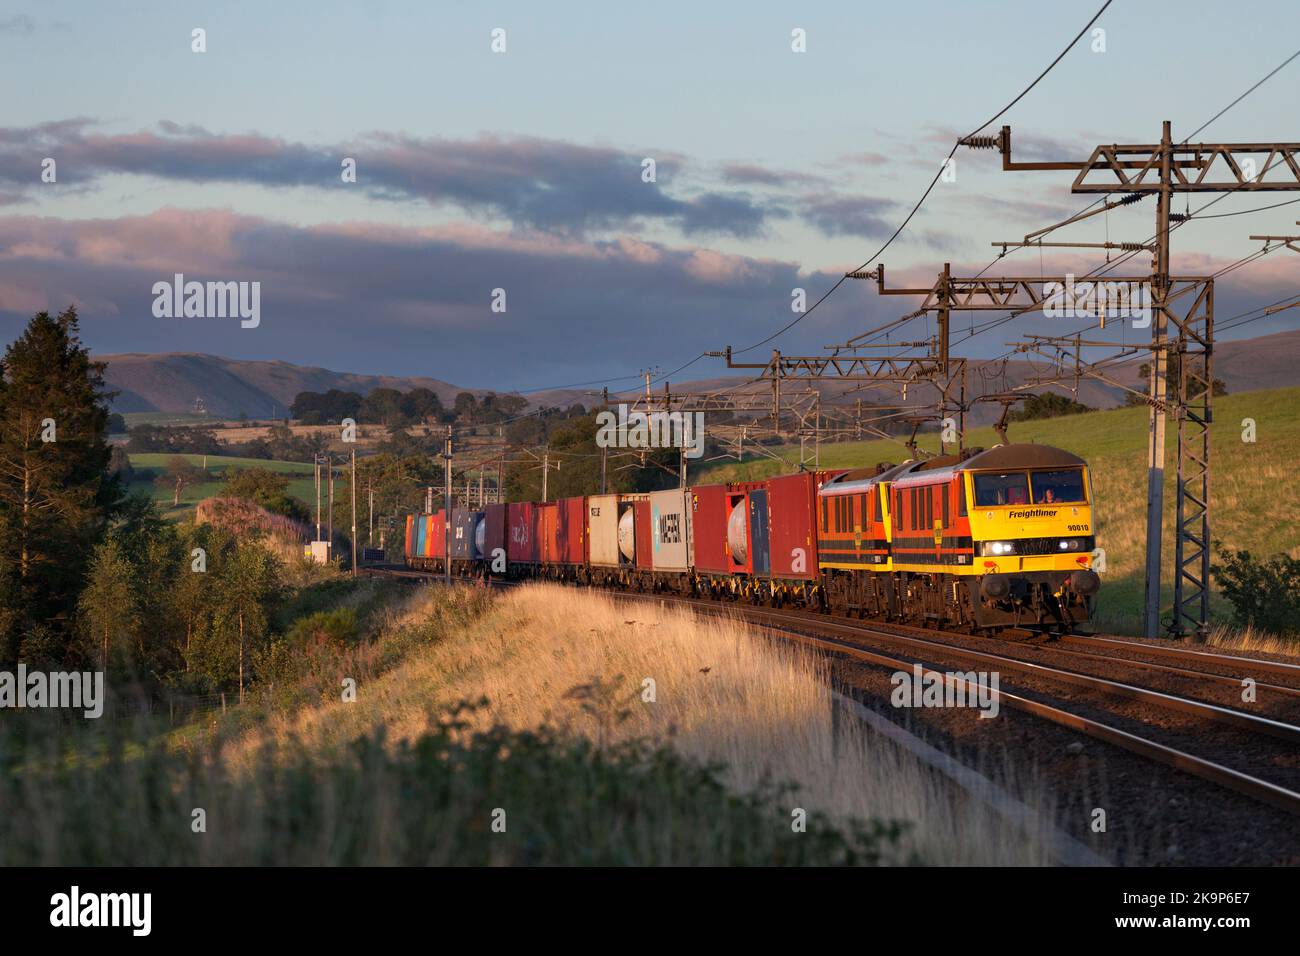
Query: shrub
(1264, 594)
(438, 800)
(329, 628)
(267, 488)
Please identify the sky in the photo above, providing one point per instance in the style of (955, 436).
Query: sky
(525, 170)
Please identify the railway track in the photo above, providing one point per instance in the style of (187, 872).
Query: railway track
(847, 639)
(861, 641)
(1209, 658)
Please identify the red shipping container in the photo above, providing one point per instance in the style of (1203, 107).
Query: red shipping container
(494, 531)
(644, 535)
(792, 517)
(435, 538)
(522, 546)
(709, 529)
(571, 531)
(546, 520)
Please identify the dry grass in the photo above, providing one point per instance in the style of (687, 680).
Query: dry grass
(546, 655)
(1248, 640)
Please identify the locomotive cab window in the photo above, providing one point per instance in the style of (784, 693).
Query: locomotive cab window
(1008, 489)
(1057, 487)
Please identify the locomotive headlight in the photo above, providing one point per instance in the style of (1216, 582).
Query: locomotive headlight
(1070, 544)
(998, 548)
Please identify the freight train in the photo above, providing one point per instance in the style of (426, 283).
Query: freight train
(984, 540)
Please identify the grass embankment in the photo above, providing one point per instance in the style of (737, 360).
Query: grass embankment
(566, 755)
(579, 663)
(1253, 495)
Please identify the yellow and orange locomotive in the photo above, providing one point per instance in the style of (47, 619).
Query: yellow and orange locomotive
(999, 537)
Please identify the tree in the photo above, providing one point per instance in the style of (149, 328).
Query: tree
(10, 610)
(511, 406)
(247, 580)
(1173, 370)
(1047, 405)
(325, 408)
(422, 405)
(399, 443)
(190, 596)
(179, 439)
(284, 445)
(573, 443)
(55, 490)
(152, 547)
(178, 475)
(107, 601)
(383, 406)
(119, 465)
(466, 406)
(315, 443)
(267, 488)
(398, 484)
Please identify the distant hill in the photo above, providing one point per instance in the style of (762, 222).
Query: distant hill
(1245, 365)
(171, 381)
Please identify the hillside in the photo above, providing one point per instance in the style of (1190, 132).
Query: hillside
(1246, 365)
(169, 382)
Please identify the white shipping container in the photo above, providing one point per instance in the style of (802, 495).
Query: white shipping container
(602, 530)
(671, 530)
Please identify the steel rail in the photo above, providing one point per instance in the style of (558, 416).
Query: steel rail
(1225, 715)
(1243, 783)
(1179, 653)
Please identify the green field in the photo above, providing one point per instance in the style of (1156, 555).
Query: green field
(1253, 492)
(217, 464)
(150, 465)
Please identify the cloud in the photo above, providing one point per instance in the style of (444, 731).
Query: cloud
(531, 182)
(403, 300)
(836, 215)
(755, 175)
(373, 297)
(863, 159)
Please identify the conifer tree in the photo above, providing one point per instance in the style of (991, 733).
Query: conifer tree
(55, 492)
